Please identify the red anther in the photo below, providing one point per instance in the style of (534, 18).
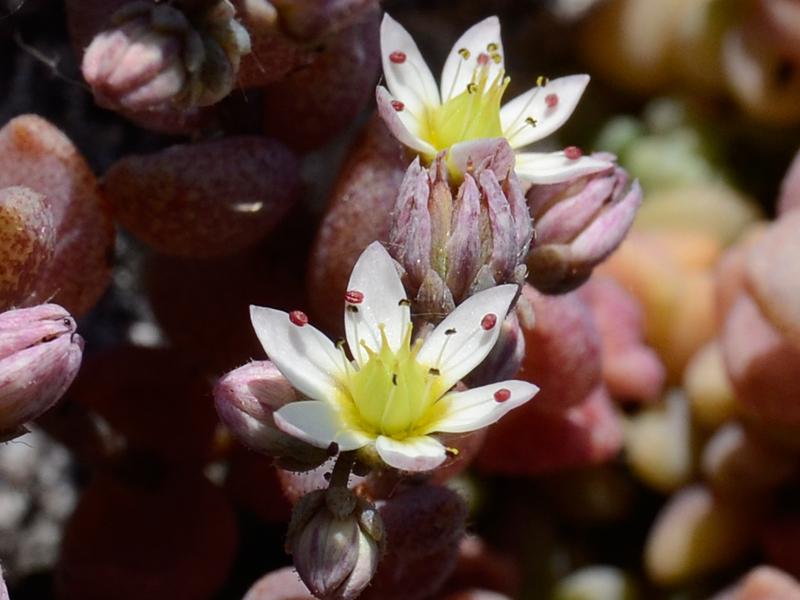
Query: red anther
(573, 152)
(483, 58)
(354, 296)
(298, 317)
(397, 105)
(502, 394)
(398, 57)
(551, 100)
(489, 321)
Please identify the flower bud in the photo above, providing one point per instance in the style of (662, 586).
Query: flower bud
(452, 247)
(155, 56)
(40, 354)
(336, 540)
(246, 398)
(577, 225)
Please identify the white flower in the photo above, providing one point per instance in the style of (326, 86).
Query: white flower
(394, 394)
(466, 106)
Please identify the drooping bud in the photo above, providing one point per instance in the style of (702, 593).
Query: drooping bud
(336, 540)
(40, 354)
(246, 398)
(156, 56)
(577, 225)
(453, 245)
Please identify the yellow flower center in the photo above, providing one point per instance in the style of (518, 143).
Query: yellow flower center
(472, 114)
(392, 394)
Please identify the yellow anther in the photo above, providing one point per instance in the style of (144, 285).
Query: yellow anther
(464, 53)
(496, 58)
(531, 121)
(492, 47)
(542, 81)
(472, 87)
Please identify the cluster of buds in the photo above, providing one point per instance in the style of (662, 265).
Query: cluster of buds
(337, 540)
(578, 224)
(40, 354)
(452, 247)
(157, 56)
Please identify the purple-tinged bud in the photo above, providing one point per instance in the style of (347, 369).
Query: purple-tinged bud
(336, 541)
(3, 589)
(505, 358)
(155, 56)
(453, 245)
(40, 354)
(246, 398)
(578, 224)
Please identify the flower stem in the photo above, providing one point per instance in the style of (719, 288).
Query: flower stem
(341, 470)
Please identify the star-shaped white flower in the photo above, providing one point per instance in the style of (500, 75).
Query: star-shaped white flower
(393, 394)
(466, 105)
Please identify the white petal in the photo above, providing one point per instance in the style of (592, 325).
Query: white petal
(318, 423)
(457, 72)
(460, 343)
(410, 81)
(554, 167)
(478, 408)
(402, 124)
(533, 104)
(375, 277)
(421, 453)
(304, 355)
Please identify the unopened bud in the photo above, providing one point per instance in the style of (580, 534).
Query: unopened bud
(577, 225)
(336, 541)
(156, 56)
(40, 354)
(452, 246)
(246, 398)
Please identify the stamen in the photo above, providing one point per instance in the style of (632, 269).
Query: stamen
(531, 121)
(492, 47)
(542, 81)
(573, 152)
(464, 53)
(433, 371)
(483, 59)
(394, 378)
(451, 451)
(502, 395)
(551, 100)
(333, 449)
(354, 296)
(404, 302)
(496, 58)
(352, 309)
(488, 321)
(298, 317)
(398, 57)
(472, 87)
(450, 331)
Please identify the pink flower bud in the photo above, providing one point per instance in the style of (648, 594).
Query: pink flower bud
(577, 225)
(763, 583)
(246, 398)
(155, 57)
(789, 198)
(452, 246)
(336, 541)
(283, 584)
(40, 354)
